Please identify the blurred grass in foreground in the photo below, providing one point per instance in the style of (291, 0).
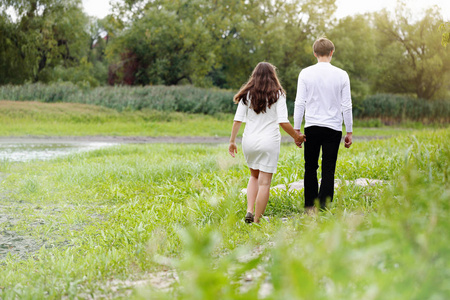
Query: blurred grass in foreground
(117, 214)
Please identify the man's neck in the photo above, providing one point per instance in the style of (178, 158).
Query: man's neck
(326, 59)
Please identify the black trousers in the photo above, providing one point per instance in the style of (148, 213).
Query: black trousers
(329, 140)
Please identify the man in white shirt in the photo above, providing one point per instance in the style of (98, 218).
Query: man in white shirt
(323, 96)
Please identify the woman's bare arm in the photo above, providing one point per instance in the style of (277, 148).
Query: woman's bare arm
(232, 148)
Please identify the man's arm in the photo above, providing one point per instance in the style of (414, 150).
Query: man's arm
(300, 103)
(347, 111)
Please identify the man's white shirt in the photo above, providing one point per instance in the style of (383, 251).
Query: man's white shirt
(323, 96)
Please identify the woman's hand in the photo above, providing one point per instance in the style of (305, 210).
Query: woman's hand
(232, 149)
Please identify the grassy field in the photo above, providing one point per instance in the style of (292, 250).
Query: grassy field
(171, 218)
(72, 119)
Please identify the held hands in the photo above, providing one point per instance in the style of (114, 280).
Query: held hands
(232, 149)
(300, 138)
(348, 140)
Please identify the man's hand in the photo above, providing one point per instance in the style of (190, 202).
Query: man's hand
(232, 149)
(348, 140)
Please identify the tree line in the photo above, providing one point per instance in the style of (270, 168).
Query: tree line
(211, 43)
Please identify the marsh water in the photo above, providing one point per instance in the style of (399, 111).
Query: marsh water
(37, 150)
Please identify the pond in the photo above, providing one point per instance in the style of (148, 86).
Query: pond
(25, 151)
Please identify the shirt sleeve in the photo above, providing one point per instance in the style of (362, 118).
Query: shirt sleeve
(241, 112)
(300, 103)
(282, 112)
(346, 105)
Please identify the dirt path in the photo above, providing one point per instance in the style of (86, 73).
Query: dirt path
(11, 241)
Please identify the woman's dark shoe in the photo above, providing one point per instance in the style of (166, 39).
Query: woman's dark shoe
(249, 217)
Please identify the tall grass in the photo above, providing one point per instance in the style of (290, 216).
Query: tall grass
(118, 213)
(163, 98)
(396, 108)
(385, 107)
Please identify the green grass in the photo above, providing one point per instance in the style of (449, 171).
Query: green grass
(72, 119)
(123, 212)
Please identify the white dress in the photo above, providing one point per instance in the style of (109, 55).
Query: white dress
(261, 139)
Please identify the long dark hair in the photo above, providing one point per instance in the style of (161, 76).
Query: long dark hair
(263, 88)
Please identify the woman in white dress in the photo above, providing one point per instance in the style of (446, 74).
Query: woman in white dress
(262, 105)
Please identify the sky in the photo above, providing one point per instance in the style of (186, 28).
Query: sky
(100, 8)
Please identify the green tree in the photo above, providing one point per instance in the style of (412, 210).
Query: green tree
(281, 32)
(354, 39)
(216, 42)
(166, 43)
(45, 34)
(411, 59)
(10, 59)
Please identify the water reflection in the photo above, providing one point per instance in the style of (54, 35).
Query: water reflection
(45, 151)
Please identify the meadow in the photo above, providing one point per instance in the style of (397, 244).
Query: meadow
(166, 221)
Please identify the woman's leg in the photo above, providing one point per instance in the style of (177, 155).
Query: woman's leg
(264, 180)
(252, 190)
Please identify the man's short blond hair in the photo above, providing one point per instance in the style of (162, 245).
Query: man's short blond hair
(323, 47)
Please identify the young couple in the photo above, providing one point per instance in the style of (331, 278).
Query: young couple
(323, 96)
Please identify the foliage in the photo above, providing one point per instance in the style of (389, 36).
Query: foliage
(167, 44)
(354, 39)
(46, 34)
(445, 29)
(218, 43)
(410, 60)
(110, 216)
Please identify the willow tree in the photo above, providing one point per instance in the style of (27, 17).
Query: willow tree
(39, 36)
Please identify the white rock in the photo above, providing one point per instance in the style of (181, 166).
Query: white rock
(298, 185)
